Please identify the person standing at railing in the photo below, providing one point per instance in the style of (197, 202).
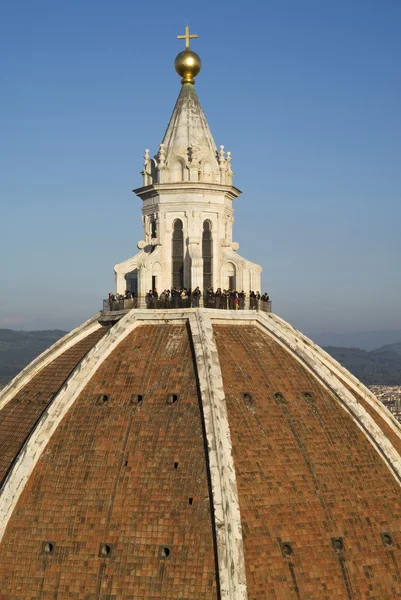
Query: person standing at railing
(195, 297)
(162, 300)
(252, 300)
(175, 296)
(210, 298)
(149, 299)
(217, 298)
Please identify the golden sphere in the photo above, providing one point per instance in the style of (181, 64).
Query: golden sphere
(187, 64)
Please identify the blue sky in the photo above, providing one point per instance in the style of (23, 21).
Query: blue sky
(306, 95)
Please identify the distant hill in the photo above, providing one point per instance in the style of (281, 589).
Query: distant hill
(366, 340)
(391, 348)
(377, 367)
(19, 348)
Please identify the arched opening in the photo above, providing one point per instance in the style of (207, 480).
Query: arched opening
(177, 171)
(153, 171)
(156, 277)
(178, 255)
(207, 255)
(207, 172)
(228, 276)
(131, 285)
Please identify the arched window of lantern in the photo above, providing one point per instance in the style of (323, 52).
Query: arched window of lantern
(153, 228)
(177, 171)
(207, 171)
(207, 255)
(153, 171)
(177, 255)
(228, 276)
(156, 276)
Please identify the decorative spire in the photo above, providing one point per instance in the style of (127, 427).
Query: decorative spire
(187, 64)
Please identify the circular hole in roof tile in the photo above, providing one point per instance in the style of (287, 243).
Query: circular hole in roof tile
(136, 398)
(338, 544)
(387, 539)
(105, 550)
(287, 549)
(102, 399)
(279, 398)
(172, 399)
(165, 552)
(48, 547)
(248, 399)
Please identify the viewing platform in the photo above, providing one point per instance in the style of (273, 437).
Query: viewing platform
(174, 303)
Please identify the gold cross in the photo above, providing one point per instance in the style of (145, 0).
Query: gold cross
(187, 37)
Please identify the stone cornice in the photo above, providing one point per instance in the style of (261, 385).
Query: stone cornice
(187, 186)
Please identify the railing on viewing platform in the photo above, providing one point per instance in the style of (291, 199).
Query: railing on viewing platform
(215, 302)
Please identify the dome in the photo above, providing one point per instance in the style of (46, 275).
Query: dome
(195, 454)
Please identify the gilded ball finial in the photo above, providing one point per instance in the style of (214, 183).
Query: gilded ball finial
(187, 63)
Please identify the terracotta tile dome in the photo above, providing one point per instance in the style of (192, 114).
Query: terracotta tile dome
(196, 454)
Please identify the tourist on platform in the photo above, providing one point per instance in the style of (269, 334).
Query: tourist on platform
(149, 299)
(164, 299)
(252, 300)
(235, 300)
(209, 298)
(195, 297)
(216, 303)
(175, 295)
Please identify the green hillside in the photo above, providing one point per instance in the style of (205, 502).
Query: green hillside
(377, 367)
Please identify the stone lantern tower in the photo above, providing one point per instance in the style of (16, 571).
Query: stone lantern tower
(187, 192)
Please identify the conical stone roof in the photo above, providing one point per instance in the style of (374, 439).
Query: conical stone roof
(188, 131)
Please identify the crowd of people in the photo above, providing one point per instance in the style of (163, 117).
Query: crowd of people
(184, 298)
